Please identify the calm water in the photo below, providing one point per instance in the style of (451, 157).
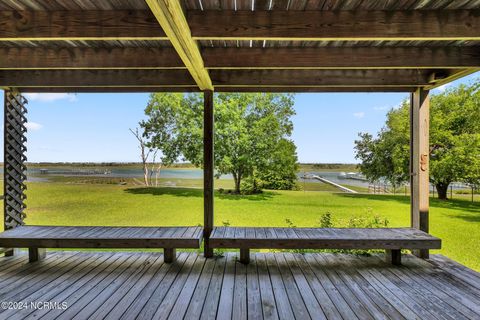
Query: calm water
(179, 174)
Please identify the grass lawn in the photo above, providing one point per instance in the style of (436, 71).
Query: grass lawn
(457, 222)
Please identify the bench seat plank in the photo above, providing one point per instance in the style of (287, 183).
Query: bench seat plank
(101, 237)
(322, 238)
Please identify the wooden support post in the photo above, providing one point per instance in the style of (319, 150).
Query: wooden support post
(169, 255)
(419, 162)
(36, 254)
(208, 165)
(394, 257)
(245, 255)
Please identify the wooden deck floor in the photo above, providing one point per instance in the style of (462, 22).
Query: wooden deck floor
(124, 285)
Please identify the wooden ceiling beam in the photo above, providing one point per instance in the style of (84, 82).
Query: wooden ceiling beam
(320, 78)
(98, 89)
(247, 25)
(217, 89)
(335, 25)
(79, 25)
(315, 89)
(170, 16)
(89, 58)
(242, 58)
(94, 78)
(231, 79)
(342, 57)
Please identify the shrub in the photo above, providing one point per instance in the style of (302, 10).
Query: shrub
(326, 221)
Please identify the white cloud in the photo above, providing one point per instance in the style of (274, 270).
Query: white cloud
(49, 97)
(382, 108)
(359, 115)
(33, 126)
(444, 87)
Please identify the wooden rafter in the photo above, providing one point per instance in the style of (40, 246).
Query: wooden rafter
(242, 58)
(336, 25)
(451, 76)
(79, 25)
(169, 14)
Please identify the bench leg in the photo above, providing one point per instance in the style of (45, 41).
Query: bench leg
(9, 252)
(245, 255)
(36, 254)
(169, 255)
(422, 253)
(394, 257)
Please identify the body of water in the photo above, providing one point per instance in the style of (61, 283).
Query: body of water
(172, 173)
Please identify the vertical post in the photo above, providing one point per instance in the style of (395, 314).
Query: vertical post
(208, 165)
(419, 162)
(14, 170)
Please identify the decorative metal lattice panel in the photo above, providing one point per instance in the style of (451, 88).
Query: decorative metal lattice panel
(14, 158)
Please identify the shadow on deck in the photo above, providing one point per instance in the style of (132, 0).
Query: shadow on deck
(125, 285)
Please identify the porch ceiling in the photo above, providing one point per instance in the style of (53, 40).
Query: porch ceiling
(164, 45)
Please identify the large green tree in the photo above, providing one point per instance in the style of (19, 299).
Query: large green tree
(454, 141)
(251, 132)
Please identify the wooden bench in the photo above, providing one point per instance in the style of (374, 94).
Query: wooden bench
(37, 238)
(390, 239)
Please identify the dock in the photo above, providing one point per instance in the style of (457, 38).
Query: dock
(345, 189)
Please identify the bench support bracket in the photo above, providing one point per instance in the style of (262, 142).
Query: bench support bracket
(169, 255)
(394, 257)
(245, 255)
(36, 254)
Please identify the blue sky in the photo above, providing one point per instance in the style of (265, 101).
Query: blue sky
(94, 127)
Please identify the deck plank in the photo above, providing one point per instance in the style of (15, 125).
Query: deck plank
(193, 262)
(349, 274)
(339, 301)
(328, 307)
(411, 301)
(197, 301)
(90, 275)
(210, 306)
(284, 307)
(94, 298)
(360, 309)
(269, 307)
(225, 305)
(181, 305)
(282, 285)
(423, 288)
(254, 301)
(313, 307)
(116, 303)
(239, 308)
(151, 296)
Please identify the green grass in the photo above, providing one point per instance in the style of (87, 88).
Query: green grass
(457, 222)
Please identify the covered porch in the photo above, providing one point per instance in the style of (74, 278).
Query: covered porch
(232, 46)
